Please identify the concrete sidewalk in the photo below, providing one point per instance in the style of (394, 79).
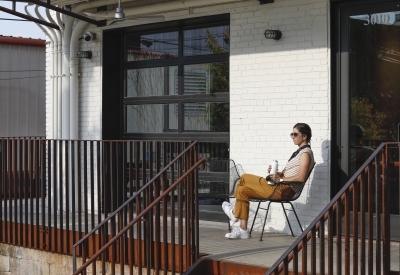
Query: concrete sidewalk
(260, 253)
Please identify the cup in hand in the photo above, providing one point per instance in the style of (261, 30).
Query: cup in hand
(274, 169)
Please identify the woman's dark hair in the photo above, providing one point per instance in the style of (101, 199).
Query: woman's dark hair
(305, 130)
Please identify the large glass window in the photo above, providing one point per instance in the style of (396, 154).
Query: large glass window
(374, 87)
(206, 78)
(205, 116)
(151, 46)
(156, 81)
(176, 80)
(152, 118)
(209, 40)
(368, 90)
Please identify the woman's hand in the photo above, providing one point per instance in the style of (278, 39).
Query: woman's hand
(270, 168)
(275, 178)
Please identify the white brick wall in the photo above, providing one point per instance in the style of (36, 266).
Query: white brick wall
(273, 85)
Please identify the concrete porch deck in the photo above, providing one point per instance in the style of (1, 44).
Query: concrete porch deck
(258, 253)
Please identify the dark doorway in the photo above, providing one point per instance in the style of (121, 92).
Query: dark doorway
(366, 101)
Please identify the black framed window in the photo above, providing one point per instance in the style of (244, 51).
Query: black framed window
(176, 80)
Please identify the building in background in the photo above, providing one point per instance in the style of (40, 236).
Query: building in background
(22, 87)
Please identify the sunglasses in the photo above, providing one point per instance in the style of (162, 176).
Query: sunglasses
(294, 135)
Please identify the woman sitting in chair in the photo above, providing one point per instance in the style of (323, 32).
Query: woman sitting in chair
(256, 187)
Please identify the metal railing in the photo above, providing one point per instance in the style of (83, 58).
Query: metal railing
(352, 233)
(56, 191)
(143, 232)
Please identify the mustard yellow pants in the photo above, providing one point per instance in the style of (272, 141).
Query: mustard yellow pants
(250, 186)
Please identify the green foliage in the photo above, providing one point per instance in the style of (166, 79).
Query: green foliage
(218, 113)
(373, 121)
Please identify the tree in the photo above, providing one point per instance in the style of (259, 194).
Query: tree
(373, 121)
(218, 113)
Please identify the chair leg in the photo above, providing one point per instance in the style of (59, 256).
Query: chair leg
(284, 211)
(265, 220)
(255, 215)
(296, 217)
(229, 220)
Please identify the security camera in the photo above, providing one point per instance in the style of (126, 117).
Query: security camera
(89, 36)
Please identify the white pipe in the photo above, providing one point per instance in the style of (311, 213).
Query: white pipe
(53, 64)
(66, 60)
(56, 77)
(62, 79)
(57, 103)
(74, 82)
(70, 65)
(53, 72)
(61, 120)
(60, 22)
(59, 71)
(67, 56)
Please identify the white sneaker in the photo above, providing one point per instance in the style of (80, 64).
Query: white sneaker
(238, 233)
(227, 207)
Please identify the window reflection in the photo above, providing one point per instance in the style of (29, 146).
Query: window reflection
(205, 116)
(206, 78)
(156, 81)
(374, 58)
(152, 118)
(212, 40)
(151, 46)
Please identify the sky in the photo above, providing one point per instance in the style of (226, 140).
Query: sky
(24, 29)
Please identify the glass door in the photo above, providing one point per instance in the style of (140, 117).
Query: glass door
(368, 98)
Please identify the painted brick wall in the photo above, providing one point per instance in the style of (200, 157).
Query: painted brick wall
(273, 85)
(90, 82)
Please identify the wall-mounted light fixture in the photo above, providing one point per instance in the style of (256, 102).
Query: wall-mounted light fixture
(85, 54)
(273, 34)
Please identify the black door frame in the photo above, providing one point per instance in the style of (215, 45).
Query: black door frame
(340, 106)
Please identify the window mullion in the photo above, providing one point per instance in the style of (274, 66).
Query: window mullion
(180, 81)
(166, 93)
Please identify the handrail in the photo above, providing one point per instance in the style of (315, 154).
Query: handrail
(138, 217)
(135, 195)
(332, 207)
(73, 185)
(120, 245)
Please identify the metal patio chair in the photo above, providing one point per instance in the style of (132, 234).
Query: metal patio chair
(285, 196)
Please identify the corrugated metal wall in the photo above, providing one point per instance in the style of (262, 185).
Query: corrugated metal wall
(22, 90)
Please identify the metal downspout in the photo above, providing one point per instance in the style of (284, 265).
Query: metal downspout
(59, 62)
(74, 82)
(53, 72)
